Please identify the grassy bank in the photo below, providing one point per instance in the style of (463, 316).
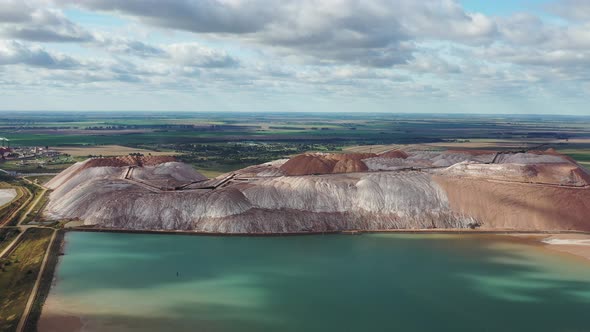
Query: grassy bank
(7, 235)
(41, 179)
(36, 205)
(45, 285)
(581, 155)
(18, 273)
(49, 165)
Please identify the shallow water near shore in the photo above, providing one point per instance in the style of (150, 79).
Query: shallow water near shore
(371, 282)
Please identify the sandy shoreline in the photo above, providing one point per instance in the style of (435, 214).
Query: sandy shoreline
(53, 317)
(59, 322)
(576, 245)
(458, 231)
(573, 244)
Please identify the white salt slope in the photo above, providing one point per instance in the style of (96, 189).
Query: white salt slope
(425, 159)
(529, 158)
(170, 173)
(99, 196)
(62, 185)
(65, 175)
(270, 169)
(405, 193)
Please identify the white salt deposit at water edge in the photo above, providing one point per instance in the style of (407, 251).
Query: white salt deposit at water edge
(7, 195)
(569, 242)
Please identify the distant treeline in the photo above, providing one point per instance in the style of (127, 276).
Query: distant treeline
(228, 156)
(298, 128)
(175, 127)
(35, 128)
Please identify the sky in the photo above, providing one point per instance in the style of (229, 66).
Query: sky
(398, 56)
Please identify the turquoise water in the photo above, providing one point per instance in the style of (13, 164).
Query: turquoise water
(379, 282)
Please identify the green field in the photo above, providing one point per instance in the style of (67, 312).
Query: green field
(35, 215)
(579, 155)
(34, 191)
(220, 142)
(40, 179)
(6, 236)
(56, 129)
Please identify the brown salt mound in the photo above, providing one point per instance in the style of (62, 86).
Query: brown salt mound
(307, 164)
(316, 163)
(394, 154)
(350, 166)
(517, 206)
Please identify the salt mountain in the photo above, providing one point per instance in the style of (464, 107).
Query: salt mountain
(316, 192)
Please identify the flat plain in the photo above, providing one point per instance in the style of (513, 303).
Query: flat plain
(220, 142)
(108, 151)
